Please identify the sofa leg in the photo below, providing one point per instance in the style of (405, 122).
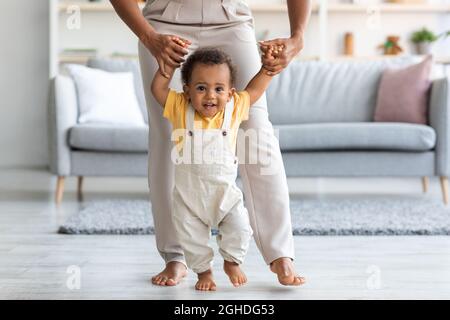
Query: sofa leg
(444, 187)
(59, 189)
(425, 184)
(80, 188)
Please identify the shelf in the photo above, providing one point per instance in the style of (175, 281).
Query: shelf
(84, 59)
(390, 8)
(438, 60)
(335, 7)
(90, 6)
(106, 6)
(74, 59)
(274, 8)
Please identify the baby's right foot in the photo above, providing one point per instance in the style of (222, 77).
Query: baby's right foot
(205, 281)
(237, 277)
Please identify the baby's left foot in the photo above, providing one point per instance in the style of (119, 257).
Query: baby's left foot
(234, 272)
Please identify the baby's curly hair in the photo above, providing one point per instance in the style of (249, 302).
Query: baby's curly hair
(208, 56)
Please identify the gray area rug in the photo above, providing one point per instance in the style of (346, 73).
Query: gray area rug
(371, 216)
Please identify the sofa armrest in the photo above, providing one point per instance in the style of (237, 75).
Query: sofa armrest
(62, 115)
(439, 114)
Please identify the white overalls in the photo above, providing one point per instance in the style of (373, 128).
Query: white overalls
(206, 195)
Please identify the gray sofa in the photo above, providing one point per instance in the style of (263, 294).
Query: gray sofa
(322, 112)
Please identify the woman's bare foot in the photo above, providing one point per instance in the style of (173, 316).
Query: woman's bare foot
(237, 277)
(205, 281)
(284, 268)
(171, 275)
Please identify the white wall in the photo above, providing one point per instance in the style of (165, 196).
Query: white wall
(23, 82)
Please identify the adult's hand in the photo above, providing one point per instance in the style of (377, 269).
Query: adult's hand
(277, 61)
(168, 50)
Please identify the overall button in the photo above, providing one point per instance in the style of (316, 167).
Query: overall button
(224, 133)
(190, 133)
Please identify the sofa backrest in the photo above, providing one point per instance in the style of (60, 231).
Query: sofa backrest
(316, 91)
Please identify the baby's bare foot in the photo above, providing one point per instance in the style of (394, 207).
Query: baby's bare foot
(234, 272)
(171, 275)
(205, 281)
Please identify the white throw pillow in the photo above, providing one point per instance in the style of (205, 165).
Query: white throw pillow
(106, 97)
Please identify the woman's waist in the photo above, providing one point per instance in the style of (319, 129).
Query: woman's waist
(198, 12)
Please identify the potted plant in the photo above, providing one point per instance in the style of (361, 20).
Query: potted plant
(424, 38)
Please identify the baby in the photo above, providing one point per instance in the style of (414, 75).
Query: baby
(209, 113)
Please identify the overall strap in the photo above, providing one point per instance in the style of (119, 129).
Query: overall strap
(228, 114)
(190, 115)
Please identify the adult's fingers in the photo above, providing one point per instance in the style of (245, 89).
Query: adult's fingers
(169, 61)
(265, 45)
(270, 62)
(171, 58)
(179, 45)
(274, 64)
(179, 50)
(175, 56)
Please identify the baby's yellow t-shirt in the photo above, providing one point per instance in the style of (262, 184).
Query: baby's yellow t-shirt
(176, 106)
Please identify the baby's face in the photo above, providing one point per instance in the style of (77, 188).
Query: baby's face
(209, 89)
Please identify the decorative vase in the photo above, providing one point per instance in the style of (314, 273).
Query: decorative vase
(424, 47)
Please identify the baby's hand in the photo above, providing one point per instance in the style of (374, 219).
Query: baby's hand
(273, 52)
(180, 42)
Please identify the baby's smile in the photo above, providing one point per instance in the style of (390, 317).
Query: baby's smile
(208, 109)
(209, 105)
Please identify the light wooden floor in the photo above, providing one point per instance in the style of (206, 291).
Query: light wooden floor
(34, 259)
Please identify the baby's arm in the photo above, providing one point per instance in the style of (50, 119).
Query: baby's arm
(258, 85)
(160, 84)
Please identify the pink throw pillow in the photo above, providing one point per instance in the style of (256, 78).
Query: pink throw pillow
(403, 94)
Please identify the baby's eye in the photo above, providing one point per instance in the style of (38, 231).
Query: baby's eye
(201, 88)
(219, 89)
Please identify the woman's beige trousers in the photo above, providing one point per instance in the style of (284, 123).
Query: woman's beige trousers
(227, 25)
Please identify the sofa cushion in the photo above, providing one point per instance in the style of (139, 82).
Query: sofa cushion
(106, 97)
(318, 91)
(124, 65)
(314, 136)
(358, 135)
(104, 137)
(403, 94)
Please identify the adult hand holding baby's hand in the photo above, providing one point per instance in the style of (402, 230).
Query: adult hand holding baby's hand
(278, 53)
(169, 50)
